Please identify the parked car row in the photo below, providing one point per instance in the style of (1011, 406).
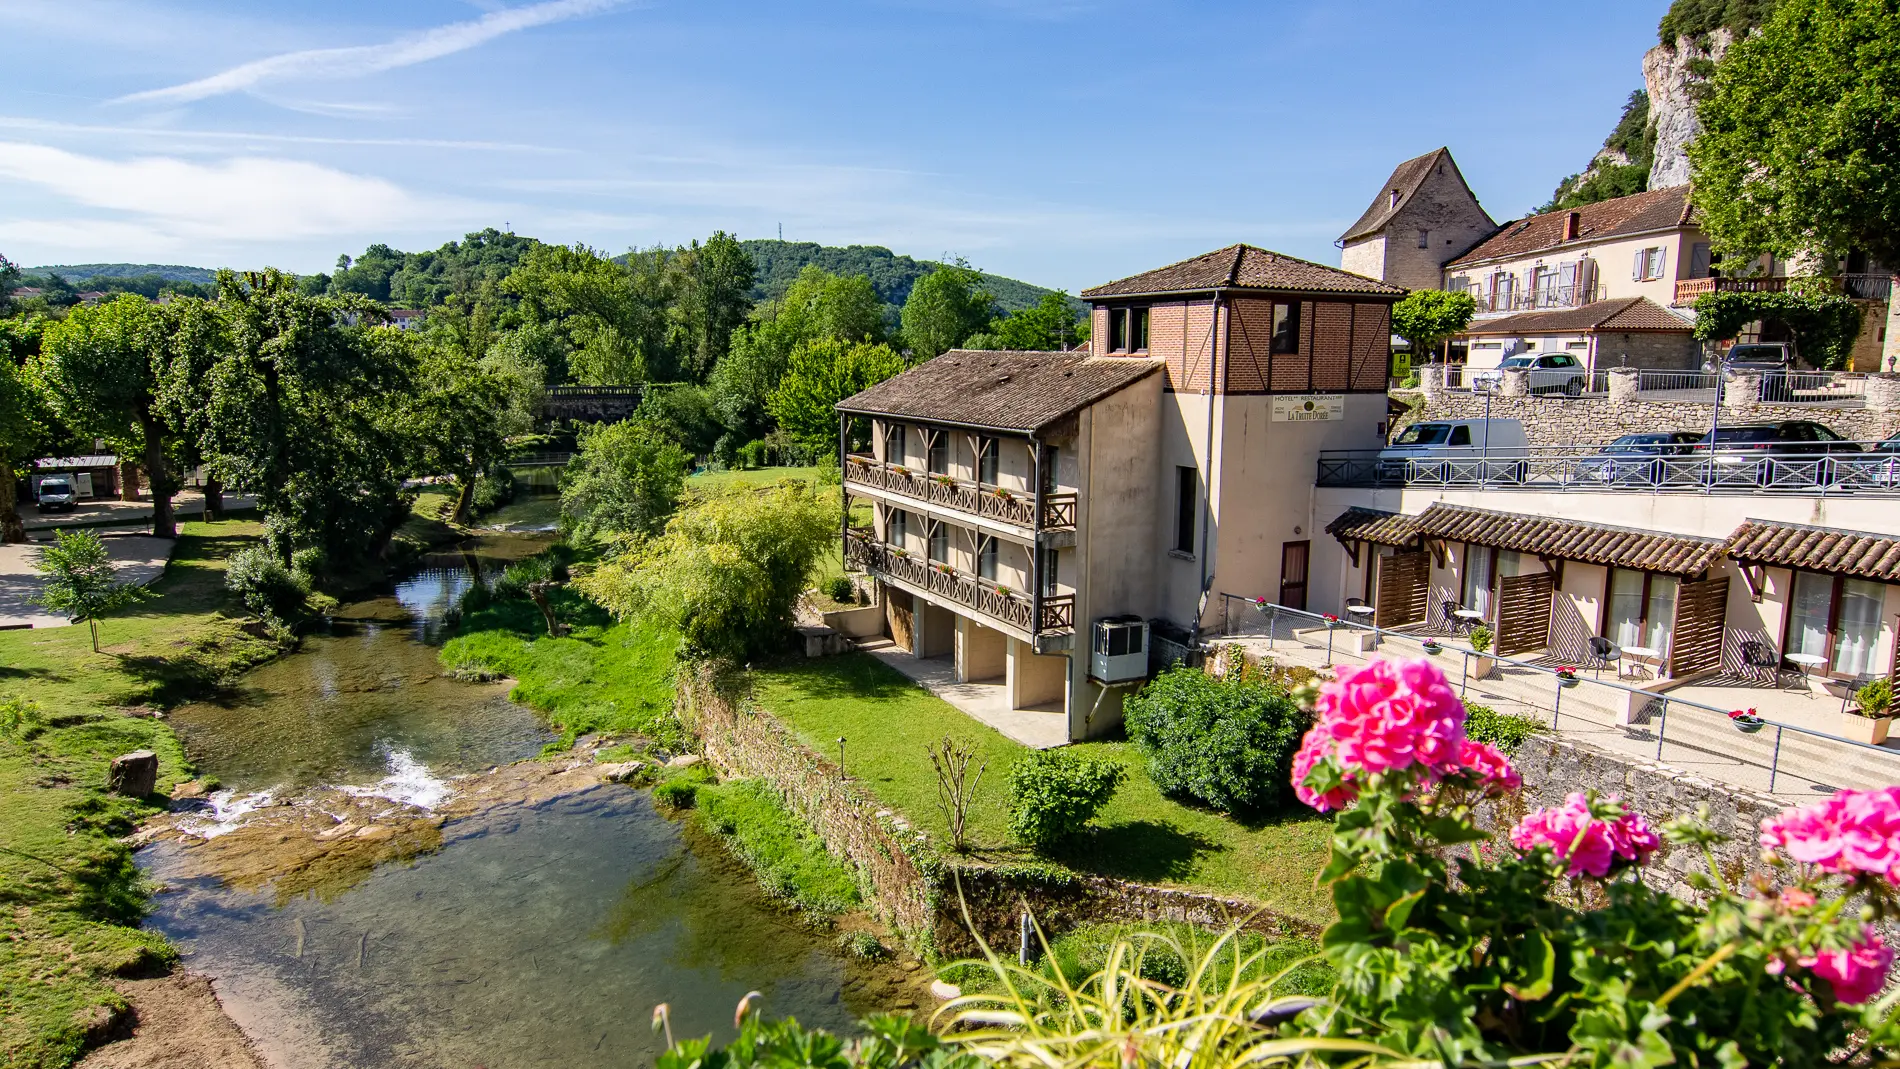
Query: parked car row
(1781, 454)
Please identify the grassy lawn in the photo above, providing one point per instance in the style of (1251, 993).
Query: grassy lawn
(888, 722)
(719, 480)
(70, 896)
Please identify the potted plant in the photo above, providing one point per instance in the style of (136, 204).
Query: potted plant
(1481, 638)
(1432, 646)
(1871, 713)
(1003, 590)
(1567, 676)
(1746, 721)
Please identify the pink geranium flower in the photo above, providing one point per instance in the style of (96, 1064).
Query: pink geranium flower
(1850, 832)
(1492, 768)
(1856, 973)
(1591, 845)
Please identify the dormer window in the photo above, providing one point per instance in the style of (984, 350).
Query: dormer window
(1128, 330)
(1395, 198)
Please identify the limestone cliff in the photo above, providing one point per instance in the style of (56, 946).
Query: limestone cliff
(1671, 74)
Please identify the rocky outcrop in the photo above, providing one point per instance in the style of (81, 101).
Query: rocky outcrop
(1672, 73)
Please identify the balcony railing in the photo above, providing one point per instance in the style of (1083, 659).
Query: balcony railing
(1535, 298)
(1017, 507)
(1863, 287)
(983, 595)
(1853, 469)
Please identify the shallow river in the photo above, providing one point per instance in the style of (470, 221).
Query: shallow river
(539, 935)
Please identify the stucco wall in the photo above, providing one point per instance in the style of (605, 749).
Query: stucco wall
(1615, 263)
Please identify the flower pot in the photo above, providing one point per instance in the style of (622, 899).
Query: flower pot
(1868, 729)
(1748, 725)
(1566, 681)
(1482, 665)
(1433, 647)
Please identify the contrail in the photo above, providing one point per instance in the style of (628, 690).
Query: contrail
(370, 59)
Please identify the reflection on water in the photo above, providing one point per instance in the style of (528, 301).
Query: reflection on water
(539, 936)
(366, 687)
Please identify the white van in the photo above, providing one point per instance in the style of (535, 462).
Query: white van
(1457, 450)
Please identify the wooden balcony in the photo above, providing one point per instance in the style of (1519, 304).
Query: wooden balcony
(1014, 507)
(1688, 289)
(1009, 606)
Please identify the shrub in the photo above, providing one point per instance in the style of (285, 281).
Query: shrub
(1166, 950)
(1503, 730)
(272, 592)
(680, 790)
(1228, 743)
(1481, 638)
(752, 454)
(20, 719)
(840, 588)
(864, 946)
(494, 489)
(1875, 698)
(790, 861)
(1054, 795)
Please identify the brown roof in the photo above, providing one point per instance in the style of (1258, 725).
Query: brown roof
(1817, 549)
(1358, 524)
(1591, 543)
(1001, 389)
(1406, 179)
(1624, 315)
(1638, 213)
(1244, 267)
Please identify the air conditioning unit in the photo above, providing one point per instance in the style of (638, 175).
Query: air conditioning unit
(1119, 652)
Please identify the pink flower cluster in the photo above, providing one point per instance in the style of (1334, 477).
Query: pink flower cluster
(1389, 716)
(1857, 973)
(1591, 845)
(1850, 832)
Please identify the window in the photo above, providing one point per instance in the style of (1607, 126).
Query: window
(1641, 610)
(894, 445)
(895, 526)
(1187, 490)
(1700, 260)
(1395, 198)
(1286, 328)
(940, 543)
(1127, 330)
(1138, 330)
(986, 461)
(1480, 576)
(1117, 330)
(1649, 263)
(938, 457)
(1424, 239)
(1576, 345)
(1837, 618)
(986, 558)
(1460, 435)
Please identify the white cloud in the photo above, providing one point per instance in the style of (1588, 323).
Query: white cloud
(245, 198)
(174, 136)
(359, 60)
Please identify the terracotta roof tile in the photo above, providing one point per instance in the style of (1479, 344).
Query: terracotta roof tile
(1243, 267)
(1623, 315)
(1006, 390)
(1590, 543)
(1658, 209)
(1359, 524)
(1817, 549)
(1405, 180)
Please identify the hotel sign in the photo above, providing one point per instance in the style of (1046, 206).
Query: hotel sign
(1308, 408)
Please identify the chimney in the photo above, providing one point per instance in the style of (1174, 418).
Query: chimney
(1573, 225)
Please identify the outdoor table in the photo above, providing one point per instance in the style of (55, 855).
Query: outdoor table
(1643, 653)
(1471, 617)
(1361, 610)
(1806, 662)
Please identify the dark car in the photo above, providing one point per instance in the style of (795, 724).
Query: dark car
(1641, 458)
(1879, 466)
(1793, 452)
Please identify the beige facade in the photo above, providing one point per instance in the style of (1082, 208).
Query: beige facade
(1640, 265)
(1424, 215)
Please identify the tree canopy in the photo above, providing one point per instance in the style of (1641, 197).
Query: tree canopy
(1052, 324)
(818, 376)
(1799, 152)
(626, 479)
(1824, 325)
(1427, 317)
(944, 308)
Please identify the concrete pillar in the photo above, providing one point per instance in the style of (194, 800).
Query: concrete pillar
(1742, 390)
(1035, 679)
(1514, 382)
(1431, 381)
(981, 651)
(1623, 384)
(1883, 392)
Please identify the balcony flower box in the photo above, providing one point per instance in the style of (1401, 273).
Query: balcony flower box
(1432, 646)
(900, 554)
(1859, 727)
(1746, 721)
(1567, 677)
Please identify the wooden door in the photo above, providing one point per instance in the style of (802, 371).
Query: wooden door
(1404, 582)
(1701, 616)
(1524, 612)
(897, 615)
(1293, 562)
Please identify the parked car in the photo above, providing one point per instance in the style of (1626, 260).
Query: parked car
(1793, 452)
(1641, 458)
(55, 493)
(1549, 373)
(1776, 362)
(1879, 466)
(1457, 450)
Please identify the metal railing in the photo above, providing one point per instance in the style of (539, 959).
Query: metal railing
(1729, 470)
(1016, 507)
(1868, 287)
(984, 595)
(539, 460)
(1636, 720)
(1861, 286)
(1820, 388)
(1534, 298)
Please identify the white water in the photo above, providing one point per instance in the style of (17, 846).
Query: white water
(409, 783)
(224, 811)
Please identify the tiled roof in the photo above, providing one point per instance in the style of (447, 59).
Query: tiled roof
(1243, 267)
(1405, 180)
(1623, 315)
(1638, 213)
(1817, 549)
(1001, 389)
(1590, 543)
(1358, 524)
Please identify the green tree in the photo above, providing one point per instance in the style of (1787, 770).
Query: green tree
(9, 280)
(728, 571)
(818, 376)
(1052, 324)
(613, 316)
(453, 416)
(945, 307)
(77, 574)
(1426, 318)
(1798, 153)
(714, 299)
(103, 367)
(627, 478)
(25, 418)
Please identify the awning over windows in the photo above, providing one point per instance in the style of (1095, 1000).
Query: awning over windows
(1817, 549)
(1543, 536)
(1374, 525)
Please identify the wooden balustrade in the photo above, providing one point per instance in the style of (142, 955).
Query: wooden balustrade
(1015, 507)
(986, 597)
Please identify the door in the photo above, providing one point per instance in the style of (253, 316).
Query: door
(1402, 589)
(1293, 559)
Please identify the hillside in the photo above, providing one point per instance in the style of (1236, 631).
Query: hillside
(892, 275)
(202, 276)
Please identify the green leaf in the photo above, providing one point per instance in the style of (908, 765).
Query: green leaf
(1540, 965)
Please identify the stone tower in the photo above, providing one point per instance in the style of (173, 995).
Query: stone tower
(1423, 216)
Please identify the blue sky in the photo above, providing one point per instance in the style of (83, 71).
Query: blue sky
(1064, 142)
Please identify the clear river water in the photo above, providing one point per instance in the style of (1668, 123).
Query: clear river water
(538, 935)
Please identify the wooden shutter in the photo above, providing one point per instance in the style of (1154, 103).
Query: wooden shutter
(1636, 272)
(1524, 612)
(1402, 589)
(1701, 614)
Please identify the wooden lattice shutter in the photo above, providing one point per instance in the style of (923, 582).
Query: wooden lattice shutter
(1701, 613)
(1524, 612)
(1402, 589)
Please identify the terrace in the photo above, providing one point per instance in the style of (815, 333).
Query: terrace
(1014, 507)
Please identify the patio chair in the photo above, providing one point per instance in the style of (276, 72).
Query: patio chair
(1847, 688)
(1758, 658)
(1602, 653)
(1454, 623)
